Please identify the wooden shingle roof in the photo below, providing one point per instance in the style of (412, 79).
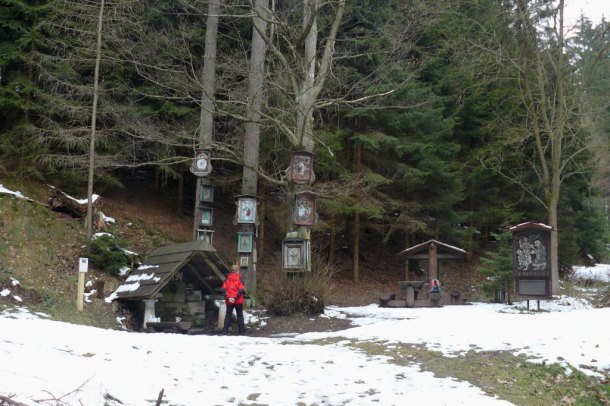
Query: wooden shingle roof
(444, 251)
(161, 265)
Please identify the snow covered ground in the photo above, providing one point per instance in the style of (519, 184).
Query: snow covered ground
(43, 359)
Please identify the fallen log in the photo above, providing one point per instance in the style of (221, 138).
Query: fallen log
(62, 202)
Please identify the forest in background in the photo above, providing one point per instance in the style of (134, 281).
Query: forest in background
(438, 119)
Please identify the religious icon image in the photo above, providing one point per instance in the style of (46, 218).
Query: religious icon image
(531, 254)
(245, 242)
(246, 210)
(243, 262)
(304, 209)
(539, 262)
(201, 163)
(206, 193)
(294, 255)
(301, 167)
(205, 217)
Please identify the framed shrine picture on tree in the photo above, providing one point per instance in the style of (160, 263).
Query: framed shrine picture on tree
(202, 165)
(301, 167)
(304, 209)
(246, 210)
(294, 255)
(205, 235)
(206, 217)
(245, 242)
(206, 193)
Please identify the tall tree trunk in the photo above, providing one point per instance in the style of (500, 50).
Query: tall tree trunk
(556, 156)
(180, 197)
(96, 77)
(208, 83)
(261, 227)
(306, 96)
(256, 80)
(357, 168)
(548, 115)
(332, 246)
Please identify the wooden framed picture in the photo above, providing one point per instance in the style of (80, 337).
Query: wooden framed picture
(301, 167)
(206, 193)
(206, 217)
(294, 255)
(245, 242)
(205, 235)
(202, 163)
(246, 210)
(304, 209)
(243, 262)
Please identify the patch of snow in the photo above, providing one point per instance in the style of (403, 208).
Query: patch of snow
(141, 277)
(143, 267)
(128, 287)
(106, 218)
(94, 197)
(14, 281)
(98, 235)
(17, 298)
(88, 294)
(5, 292)
(124, 271)
(567, 331)
(10, 192)
(599, 272)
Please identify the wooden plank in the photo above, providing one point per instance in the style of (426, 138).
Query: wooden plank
(167, 258)
(439, 256)
(214, 268)
(187, 247)
(200, 277)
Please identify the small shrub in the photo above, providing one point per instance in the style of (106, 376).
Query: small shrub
(107, 255)
(604, 297)
(307, 292)
(498, 268)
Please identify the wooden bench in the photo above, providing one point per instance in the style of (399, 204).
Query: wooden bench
(181, 327)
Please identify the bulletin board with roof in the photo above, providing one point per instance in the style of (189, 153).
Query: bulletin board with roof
(531, 247)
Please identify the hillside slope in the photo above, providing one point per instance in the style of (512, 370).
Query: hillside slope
(40, 248)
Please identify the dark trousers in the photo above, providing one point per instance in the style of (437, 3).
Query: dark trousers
(239, 309)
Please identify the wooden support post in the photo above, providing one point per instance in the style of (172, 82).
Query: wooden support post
(81, 291)
(222, 311)
(432, 262)
(410, 296)
(83, 267)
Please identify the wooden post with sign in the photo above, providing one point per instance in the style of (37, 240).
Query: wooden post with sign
(83, 264)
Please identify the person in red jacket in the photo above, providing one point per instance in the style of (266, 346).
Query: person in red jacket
(234, 291)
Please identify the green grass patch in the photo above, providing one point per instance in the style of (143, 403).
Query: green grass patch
(512, 378)
(40, 248)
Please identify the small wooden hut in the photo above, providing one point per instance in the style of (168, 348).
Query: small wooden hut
(418, 293)
(175, 286)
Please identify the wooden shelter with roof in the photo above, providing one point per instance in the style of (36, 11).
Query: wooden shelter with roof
(420, 293)
(177, 284)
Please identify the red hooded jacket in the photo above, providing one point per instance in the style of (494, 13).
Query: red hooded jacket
(234, 288)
